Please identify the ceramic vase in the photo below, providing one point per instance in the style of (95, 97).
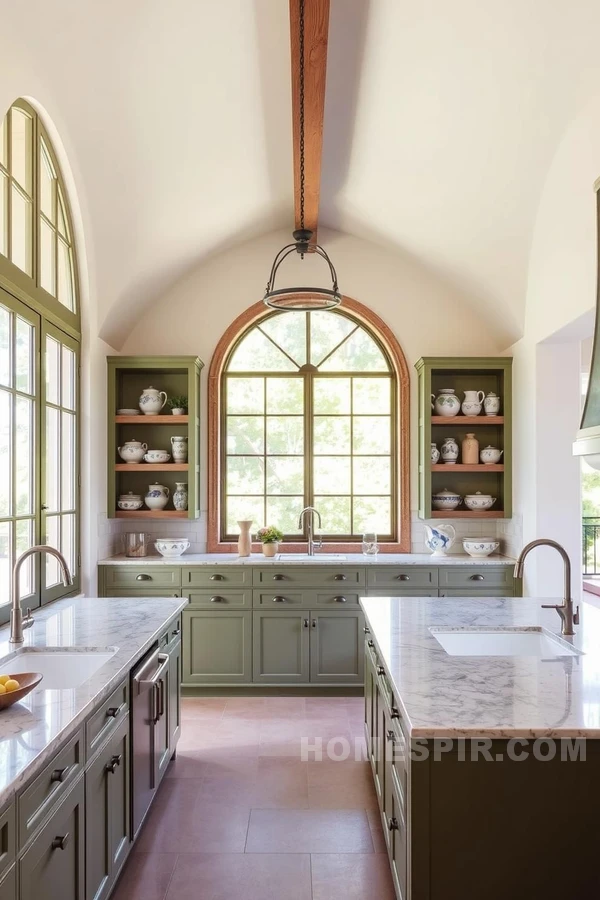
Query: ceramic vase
(157, 496)
(450, 451)
(180, 495)
(491, 404)
(270, 549)
(179, 446)
(446, 403)
(245, 538)
(152, 401)
(470, 450)
(435, 454)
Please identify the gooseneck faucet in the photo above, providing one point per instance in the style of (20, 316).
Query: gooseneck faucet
(18, 623)
(310, 528)
(568, 615)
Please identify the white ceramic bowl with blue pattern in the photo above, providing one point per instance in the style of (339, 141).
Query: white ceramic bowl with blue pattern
(480, 546)
(171, 547)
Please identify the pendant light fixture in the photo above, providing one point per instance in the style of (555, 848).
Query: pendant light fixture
(301, 298)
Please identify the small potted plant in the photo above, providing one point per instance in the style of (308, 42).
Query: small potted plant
(179, 405)
(269, 538)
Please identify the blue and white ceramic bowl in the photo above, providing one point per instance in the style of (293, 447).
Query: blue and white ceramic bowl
(480, 546)
(171, 547)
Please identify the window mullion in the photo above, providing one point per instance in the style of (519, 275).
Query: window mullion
(308, 440)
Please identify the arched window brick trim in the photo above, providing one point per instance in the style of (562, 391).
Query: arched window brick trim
(372, 321)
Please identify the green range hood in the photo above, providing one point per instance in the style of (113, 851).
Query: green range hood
(588, 437)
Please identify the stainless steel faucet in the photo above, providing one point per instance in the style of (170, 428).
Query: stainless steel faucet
(568, 616)
(310, 528)
(17, 623)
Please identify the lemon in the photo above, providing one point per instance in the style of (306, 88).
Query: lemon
(4, 679)
(12, 685)
(2, 689)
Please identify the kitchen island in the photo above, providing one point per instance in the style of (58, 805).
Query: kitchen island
(486, 766)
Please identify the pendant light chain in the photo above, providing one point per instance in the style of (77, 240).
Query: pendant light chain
(301, 73)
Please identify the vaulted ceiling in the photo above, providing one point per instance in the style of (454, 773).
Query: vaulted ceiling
(441, 120)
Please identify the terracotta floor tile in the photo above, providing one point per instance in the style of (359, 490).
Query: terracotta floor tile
(351, 876)
(202, 707)
(221, 876)
(308, 831)
(146, 876)
(285, 707)
(376, 827)
(281, 783)
(240, 708)
(326, 707)
(187, 764)
(341, 785)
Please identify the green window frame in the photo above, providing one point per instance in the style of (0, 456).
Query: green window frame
(40, 334)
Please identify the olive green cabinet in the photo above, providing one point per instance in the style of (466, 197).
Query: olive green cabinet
(336, 647)
(8, 885)
(108, 829)
(54, 864)
(174, 695)
(281, 646)
(217, 647)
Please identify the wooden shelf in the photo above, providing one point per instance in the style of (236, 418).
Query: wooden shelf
(151, 467)
(467, 420)
(151, 514)
(151, 420)
(460, 467)
(467, 514)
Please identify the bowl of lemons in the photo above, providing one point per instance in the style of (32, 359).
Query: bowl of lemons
(13, 689)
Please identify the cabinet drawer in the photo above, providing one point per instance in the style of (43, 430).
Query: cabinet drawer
(310, 576)
(220, 598)
(38, 800)
(403, 592)
(7, 839)
(142, 576)
(465, 592)
(281, 598)
(140, 592)
(476, 578)
(340, 599)
(171, 635)
(401, 577)
(107, 719)
(205, 577)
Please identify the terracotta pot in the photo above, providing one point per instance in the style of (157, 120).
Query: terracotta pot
(271, 549)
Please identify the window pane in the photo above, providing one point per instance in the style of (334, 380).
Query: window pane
(331, 395)
(67, 456)
(245, 475)
(245, 434)
(331, 474)
(359, 353)
(283, 512)
(327, 329)
(24, 540)
(24, 356)
(47, 251)
(335, 514)
(285, 475)
(256, 353)
(69, 393)
(24, 460)
(331, 434)
(5, 562)
(62, 217)
(65, 275)
(3, 214)
(371, 474)
(6, 320)
(52, 362)
(239, 508)
(371, 395)
(245, 395)
(371, 434)
(21, 231)
(285, 395)
(68, 541)
(372, 514)
(51, 498)
(5, 453)
(285, 435)
(47, 186)
(52, 576)
(288, 330)
(21, 148)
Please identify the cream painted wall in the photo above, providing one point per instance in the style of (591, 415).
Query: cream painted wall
(427, 317)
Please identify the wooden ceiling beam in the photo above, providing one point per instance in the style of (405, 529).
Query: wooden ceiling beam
(316, 32)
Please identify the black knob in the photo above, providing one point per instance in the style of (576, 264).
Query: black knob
(112, 765)
(393, 824)
(175, 632)
(370, 643)
(314, 623)
(112, 712)
(60, 842)
(390, 735)
(380, 670)
(366, 629)
(305, 623)
(395, 712)
(59, 774)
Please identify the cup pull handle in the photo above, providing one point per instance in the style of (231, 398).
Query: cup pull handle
(216, 599)
(217, 577)
(278, 577)
(340, 599)
(477, 577)
(278, 599)
(340, 577)
(143, 577)
(403, 577)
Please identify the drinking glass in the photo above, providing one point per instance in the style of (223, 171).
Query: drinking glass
(370, 547)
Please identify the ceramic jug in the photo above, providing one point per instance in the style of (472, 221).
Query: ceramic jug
(471, 405)
(157, 496)
(491, 404)
(179, 444)
(245, 539)
(435, 454)
(180, 495)
(446, 403)
(152, 401)
(439, 539)
(450, 451)
(470, 450)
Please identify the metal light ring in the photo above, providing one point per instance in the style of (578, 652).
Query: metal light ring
(324, 299)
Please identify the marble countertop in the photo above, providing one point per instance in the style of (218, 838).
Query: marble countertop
(345, 559)
(33, 729)
(487, 696)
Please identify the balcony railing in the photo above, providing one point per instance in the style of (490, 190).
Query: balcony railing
(591, 545)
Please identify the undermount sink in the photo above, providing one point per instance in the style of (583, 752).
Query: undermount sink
(502, 642)
(62, 668)
(316, 556)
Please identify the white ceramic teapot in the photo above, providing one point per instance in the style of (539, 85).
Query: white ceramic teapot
(439, 539)
(151, 401)
(132, 451)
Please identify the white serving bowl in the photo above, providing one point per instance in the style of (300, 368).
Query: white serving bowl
(480, 546)
(479, 501)
(171, 547)
(157, 456)
(130, 501)
(446, 500)
(128, 412)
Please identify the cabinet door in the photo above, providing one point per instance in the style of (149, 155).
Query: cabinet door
(370, 687)
(396, 836)
(107, 814)
(174, 696)
(8, 885)
(55, 862)
(336, 647)
(162, 752)
(217, 647)
(281, 646)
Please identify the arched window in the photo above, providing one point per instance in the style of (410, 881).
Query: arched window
(310, 408)
(39, 361)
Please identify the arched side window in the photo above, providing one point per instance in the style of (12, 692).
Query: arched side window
(310, 409)
(39, 361)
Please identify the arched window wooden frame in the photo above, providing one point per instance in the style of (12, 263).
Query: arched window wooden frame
(365, 317)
